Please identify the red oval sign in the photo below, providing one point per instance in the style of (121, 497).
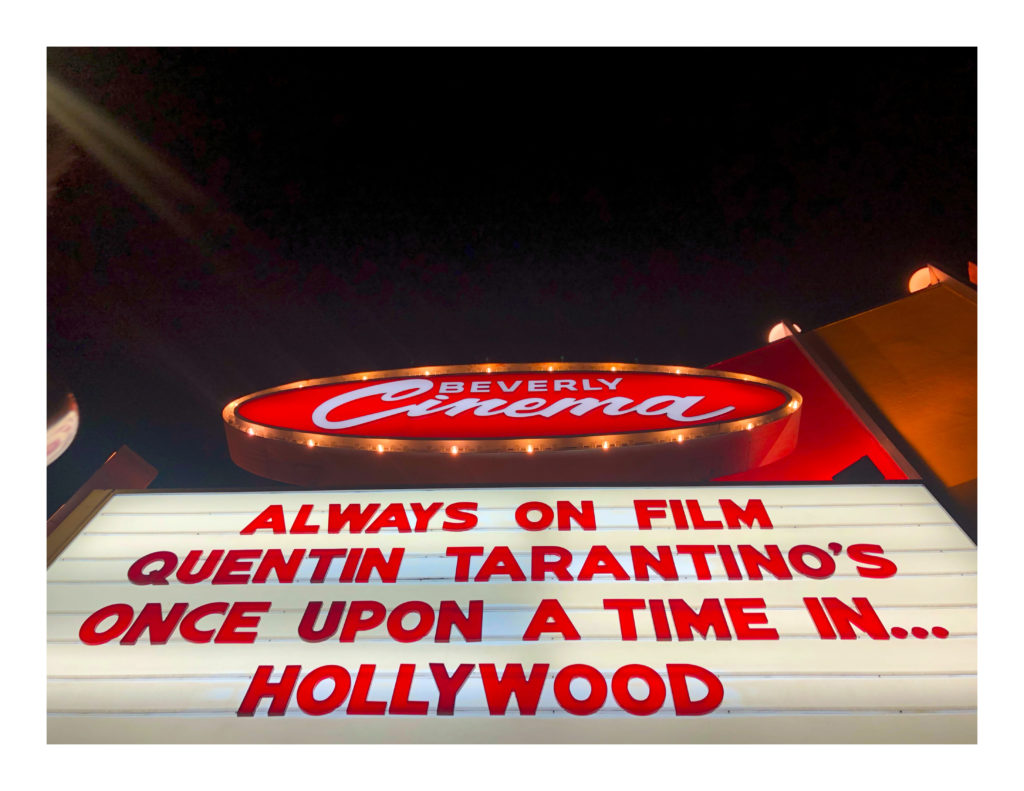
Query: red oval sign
(484, 408)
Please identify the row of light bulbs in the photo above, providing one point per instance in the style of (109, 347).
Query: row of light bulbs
(454, 449)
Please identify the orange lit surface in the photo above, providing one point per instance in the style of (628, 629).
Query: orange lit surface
(916, 360)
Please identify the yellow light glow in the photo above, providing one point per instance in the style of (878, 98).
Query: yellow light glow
(679, 370)
(488, 370)
(679, 438)
(749, 426)
(310, 443)
(364, 378)
(426, 373)
(380, 449)
(249, 431)
(529, 448)
(455, 449)
(613, 367)
(551, 367)
(605, 446)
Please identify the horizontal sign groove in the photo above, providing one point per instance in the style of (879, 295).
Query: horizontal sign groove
(111, 558)
(549, 711)
(617, 512)
(424, 674)
(505, 640)
(531, 608)
(515, 530)
(517, 554)
(683, 578)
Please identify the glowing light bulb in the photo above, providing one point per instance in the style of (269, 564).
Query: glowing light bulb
(605, 446)
(364, 378)
(455, 449)
(310, 443)
(780, 331)
(529, 448)
(551, 367)
(679, 370)
(380, 449)
(679, 438)
(488, 370)
(921, 279)
(426, 373)
(613, 367)
(749, 426)
(249, 431)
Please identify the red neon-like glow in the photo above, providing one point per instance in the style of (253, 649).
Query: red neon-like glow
(831, 436)
(509, 404)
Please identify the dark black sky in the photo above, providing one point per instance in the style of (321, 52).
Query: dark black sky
(385, 208)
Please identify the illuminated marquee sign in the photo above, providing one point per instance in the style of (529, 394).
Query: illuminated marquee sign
(508, 410)
(752, 613)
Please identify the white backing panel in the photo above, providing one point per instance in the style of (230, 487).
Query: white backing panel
(798, 688)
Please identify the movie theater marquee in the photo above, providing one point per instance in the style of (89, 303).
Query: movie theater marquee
(611, 614)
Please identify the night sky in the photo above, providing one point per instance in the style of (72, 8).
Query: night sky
(362, 209)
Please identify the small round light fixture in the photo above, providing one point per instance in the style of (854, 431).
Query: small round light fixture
(782, 330)
(921, 279)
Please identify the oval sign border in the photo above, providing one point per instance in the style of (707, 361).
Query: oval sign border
(509, 445)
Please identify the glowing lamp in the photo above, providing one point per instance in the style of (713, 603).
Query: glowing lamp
(927, 276)
(921, 279)
(781, 330)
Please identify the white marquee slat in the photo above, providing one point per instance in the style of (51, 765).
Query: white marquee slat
(436, 567)
(796, 688)
(897, 537)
